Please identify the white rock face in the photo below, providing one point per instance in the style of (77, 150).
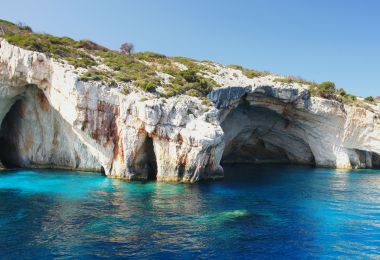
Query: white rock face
(58, 121)
(51, 119)
(279, 123)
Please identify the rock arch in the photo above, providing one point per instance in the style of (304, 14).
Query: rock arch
(34, 134)
(264, 133)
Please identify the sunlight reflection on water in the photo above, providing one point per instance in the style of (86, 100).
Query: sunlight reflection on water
(256, 212)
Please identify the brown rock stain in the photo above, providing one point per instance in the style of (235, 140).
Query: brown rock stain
(107, 127)
(43, 102)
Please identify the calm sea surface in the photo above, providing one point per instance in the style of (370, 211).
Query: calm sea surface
(255, 212)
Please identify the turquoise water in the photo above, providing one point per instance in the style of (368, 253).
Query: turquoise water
(262, 212)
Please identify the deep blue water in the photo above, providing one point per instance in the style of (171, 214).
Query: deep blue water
(255, 212)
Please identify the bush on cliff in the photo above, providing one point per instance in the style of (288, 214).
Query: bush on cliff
(249, 73)
(187, 76)
(325, 90)
(140, 68)
(369, 99)
(293, 79)
(90, 45)
(57, 47)
(95, 75)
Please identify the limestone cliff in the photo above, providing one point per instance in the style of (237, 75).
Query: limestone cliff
(50, 118)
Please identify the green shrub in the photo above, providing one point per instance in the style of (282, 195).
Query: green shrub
(351, 97)
(206, 102)
(90, 45)
(156, 58)
(149, 56)
(125, 91)
(325, 90)
(126, 68)
(24, 27)
(369, 99)
(193, 92)
(95, 75)
(148, 84)
(236, 67)
(58, 47)
(4, 22)
(341, 92)
(123, 77)
(293, 79)
(249, 73)
(189, 82)
(189, 75)
(189, 63)
(81, 61)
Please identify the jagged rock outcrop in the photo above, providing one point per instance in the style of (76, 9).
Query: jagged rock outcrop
(284, 124)
(49, 118)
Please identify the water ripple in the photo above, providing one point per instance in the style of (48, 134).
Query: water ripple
(256, 212)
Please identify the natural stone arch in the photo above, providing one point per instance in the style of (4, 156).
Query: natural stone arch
(33, 134)
(363, 159)
(257, 133)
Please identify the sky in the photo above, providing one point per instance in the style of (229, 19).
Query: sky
(336, 40)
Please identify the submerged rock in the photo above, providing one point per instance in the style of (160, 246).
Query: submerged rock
(224, 216)
(49, 118)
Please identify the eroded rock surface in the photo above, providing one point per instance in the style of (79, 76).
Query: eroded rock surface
(277, 123)
(49, 118)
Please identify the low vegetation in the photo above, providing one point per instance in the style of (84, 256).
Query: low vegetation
(328, 90)
(190, 81)
(95, 75)
(57, 47)
(139, 69)
(249, 73)
(186, 76)
(294, 79)
(370, 99)
(325, 90)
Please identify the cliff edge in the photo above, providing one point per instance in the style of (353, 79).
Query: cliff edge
(56, 114)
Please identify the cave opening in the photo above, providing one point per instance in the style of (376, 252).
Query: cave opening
(375, 160)
(9, 132)
(34, 134)
(151, 163)
(258, 135)
(146, 163)
(364, 159)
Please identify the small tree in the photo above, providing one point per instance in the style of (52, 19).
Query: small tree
(127, 48)
(24, 27)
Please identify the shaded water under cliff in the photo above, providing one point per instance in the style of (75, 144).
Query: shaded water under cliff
(256, 211)
(255, 134)
(9, 128)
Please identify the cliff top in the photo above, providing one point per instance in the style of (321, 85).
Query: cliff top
(156, 73)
